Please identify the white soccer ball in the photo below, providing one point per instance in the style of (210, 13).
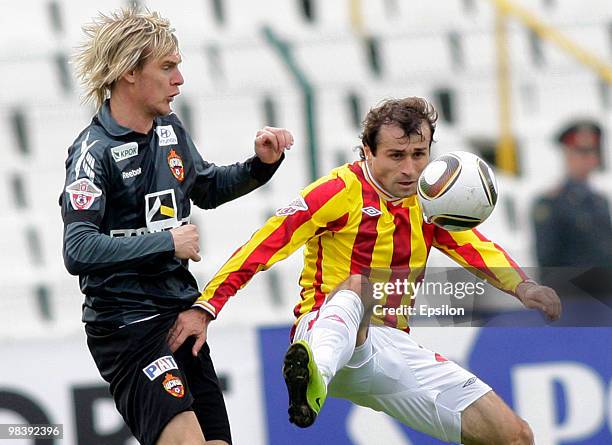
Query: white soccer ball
(457, 191)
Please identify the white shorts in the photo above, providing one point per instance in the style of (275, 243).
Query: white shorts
(391, 373)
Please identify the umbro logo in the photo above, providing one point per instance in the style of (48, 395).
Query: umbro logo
(371, 211)
(469, 382)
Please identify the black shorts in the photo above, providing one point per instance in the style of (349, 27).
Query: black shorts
(150, 385)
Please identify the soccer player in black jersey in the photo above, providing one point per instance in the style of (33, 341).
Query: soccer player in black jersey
(131, 176)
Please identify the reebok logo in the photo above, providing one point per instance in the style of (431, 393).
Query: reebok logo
(125, 151)
(131, 173)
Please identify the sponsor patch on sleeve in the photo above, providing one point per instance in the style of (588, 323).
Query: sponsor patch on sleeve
(297, 205)
(159, 366)
(83, 192)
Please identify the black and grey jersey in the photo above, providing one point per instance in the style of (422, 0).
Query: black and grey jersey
(123, 192)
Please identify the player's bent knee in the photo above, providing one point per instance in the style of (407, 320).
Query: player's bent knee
(524, 435)
(519, 434)
(362, 287)
(354, 283)
(358, 284)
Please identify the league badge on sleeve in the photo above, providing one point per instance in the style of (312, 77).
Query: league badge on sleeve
(176, 165)
(83, 192)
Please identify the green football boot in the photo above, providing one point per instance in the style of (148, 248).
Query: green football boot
(305, 385)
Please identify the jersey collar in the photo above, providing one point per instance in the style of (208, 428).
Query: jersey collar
(109, 123)
(376, 186)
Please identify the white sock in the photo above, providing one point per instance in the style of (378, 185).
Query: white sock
(334, 333)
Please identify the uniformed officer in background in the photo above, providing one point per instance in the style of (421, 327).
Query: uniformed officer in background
(572, 222)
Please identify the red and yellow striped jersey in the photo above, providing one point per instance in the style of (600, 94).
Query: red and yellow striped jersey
(349, 225)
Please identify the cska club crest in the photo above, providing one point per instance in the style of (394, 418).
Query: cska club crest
(173, 386)
(176, 165)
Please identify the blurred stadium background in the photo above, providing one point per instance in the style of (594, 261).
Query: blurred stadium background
(315, 67)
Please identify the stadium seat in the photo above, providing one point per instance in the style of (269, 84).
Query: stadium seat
(337, 134)
(53, 128)
(595, 39)
(19, 314)
(294, 173)
(415, 56)
(27, 30)
(33, 79)
(198, 73)
(252, 65)
(76, 14)
(19, 262)
(589, 11)
(478, 108)
(224, 127)
(558, 103)
(416, 16)
(479, 51)
(333, 60)
(193, 21)
(287, 18)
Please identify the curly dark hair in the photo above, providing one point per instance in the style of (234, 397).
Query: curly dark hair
(408, 113)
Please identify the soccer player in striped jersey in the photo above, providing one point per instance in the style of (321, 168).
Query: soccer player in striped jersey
(362, 220)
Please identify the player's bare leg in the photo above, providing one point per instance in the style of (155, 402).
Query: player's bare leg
(309, 366)
(490, 421)
(183, 429)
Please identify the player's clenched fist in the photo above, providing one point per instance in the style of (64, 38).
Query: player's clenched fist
(271, 143)
(186, 242)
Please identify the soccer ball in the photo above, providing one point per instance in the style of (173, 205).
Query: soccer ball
(457, 191)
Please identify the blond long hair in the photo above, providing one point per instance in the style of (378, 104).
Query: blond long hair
(117, 43)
